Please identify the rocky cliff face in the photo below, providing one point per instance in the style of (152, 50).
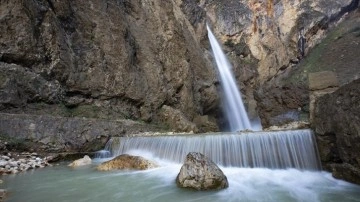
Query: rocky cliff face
(285, 97)
(108, 59)
(261, 39)
(140, 59)
(337, 125)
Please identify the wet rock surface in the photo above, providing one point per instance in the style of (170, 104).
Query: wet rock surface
(337, 127)
(200, 173)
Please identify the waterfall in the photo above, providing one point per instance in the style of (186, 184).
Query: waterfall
(276, 149)
(232, 102)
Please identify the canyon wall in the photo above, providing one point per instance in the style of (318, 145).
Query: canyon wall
(104, 59)
(262, 40)
(150, 61)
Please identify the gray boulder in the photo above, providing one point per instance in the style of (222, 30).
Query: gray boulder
(200, 173)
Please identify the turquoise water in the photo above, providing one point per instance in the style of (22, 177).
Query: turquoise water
(61, 183)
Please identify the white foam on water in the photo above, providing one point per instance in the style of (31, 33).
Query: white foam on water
(262, 184)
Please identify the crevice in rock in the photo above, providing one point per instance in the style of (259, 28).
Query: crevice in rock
(191, 9)
(20, 60)
(78, 93)
(67, 23)
(51, 5)
(128, 7)
(132, 47)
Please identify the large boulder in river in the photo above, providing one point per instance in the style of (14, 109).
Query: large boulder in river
(127, 162)
(200, 173)
(86, 160)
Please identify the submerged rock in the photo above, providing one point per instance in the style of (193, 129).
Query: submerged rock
(125, 161)
(3, 193)
(81, 162)
(200, 173)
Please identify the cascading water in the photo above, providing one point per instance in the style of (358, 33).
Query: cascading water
(232, 101)
(278, 149)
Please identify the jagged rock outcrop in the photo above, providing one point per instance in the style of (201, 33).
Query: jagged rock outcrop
(200, 173)
(127, 162)
(337, 127)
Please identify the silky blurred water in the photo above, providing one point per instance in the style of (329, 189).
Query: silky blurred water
(262, 149)
(61, 183)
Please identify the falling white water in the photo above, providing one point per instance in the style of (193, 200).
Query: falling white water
(277, 149)
(232, 101)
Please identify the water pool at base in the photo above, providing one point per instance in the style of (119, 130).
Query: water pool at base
(61, 183)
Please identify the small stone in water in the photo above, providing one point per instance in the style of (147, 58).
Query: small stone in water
(2, 194)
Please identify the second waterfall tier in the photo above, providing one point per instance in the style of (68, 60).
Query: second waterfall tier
(275, 150)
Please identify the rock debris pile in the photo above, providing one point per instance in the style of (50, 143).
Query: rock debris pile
(12, 163)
